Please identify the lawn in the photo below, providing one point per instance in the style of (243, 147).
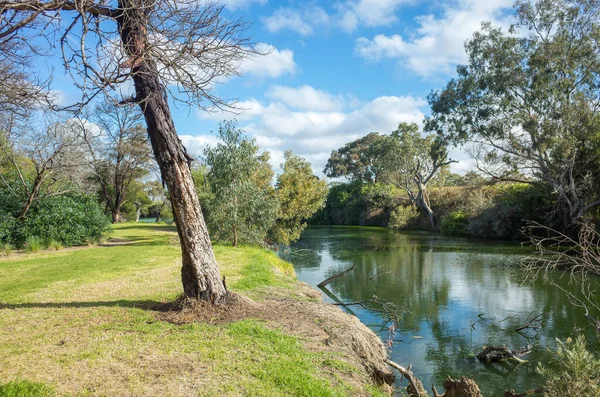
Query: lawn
(81, 322)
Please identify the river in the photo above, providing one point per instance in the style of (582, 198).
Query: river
(452, 297)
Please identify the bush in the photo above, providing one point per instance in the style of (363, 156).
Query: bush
(34, 244)
(403, 217)
(455, 223)
(575, 371)
(69, 220)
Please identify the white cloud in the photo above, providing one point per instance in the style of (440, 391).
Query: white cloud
(306, 98)
(288, 19)
(240, 4)
(369, 13)
(348, 15)
(195, 144)
(274, 64)
(438, 42)
(287, 123)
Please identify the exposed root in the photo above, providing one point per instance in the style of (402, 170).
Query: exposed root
(321, 326)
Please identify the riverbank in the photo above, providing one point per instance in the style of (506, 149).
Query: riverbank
(101, 321)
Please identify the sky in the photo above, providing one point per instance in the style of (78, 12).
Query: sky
(338, 70)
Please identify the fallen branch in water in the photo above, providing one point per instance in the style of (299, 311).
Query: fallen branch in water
(512, 393)
(330, 279)
(415, 389)
(492, 354)
(533, 323)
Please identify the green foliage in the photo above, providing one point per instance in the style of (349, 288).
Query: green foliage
(455, 223)
(360, 160)
(34, 244)
(575, 371)
(242, 205)
(403, 217)
(6, 248)
(300, 195)
(25, 388)
(55, 245)
(71, 220)
(530, 96)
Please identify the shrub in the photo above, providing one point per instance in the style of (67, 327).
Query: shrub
(574, 371)
(6, 248)
(34, 244)
(403, 217)
(55, 245)
(455, 223)
(69, 220)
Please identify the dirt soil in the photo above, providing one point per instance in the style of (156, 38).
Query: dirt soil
(322, 327)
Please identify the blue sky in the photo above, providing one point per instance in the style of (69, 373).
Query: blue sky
(338, 70)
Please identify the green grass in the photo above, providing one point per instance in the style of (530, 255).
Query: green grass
(34, 244)
(78, 321)
(25, 388)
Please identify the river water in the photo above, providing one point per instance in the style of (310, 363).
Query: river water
(452, 295)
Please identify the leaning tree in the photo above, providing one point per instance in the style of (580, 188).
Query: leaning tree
(172, 50)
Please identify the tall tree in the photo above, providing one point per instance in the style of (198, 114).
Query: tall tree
(119, 152)
(412, 161)
(359, 160)
(186, 45)
(300, 195)
(531, 98)
(242, 205)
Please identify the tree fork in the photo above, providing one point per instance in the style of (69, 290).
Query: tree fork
(199, 272)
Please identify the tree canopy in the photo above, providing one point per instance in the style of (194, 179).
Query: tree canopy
(530, 98)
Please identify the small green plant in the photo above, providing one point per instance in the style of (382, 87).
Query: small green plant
(34, 244)
(6, 248)
(575, 370)
(55, 245)
(24, 388)
(454, 224)
(403, 218)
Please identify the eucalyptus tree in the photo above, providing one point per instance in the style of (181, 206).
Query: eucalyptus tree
(412, 162)
(530, 97)
(170, 49)
(300, 194)
(359, 160)
(242, 204)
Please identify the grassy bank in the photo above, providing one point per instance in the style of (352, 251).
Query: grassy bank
(83, 322)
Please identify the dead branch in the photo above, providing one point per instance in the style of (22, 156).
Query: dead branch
(335, 276)
(492, 354)
(415, 388)
(512, 393)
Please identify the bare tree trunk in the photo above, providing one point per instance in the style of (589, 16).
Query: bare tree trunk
(31, 196)
(116, 216)
(199, 272)
(423, 203)
(138, 213)
(235, 237)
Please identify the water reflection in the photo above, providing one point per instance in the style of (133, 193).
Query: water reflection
(457, 295)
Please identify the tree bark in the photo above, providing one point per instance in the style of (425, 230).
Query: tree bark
(423, 203)
(116, 216)
(31, 196)
(235, 236)
(199, 272)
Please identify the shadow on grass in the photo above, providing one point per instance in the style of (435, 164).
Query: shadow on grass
(132, 304)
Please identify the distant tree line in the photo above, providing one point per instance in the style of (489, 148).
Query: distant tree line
(525, 107)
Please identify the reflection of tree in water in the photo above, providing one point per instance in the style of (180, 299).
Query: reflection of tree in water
(443, 290)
